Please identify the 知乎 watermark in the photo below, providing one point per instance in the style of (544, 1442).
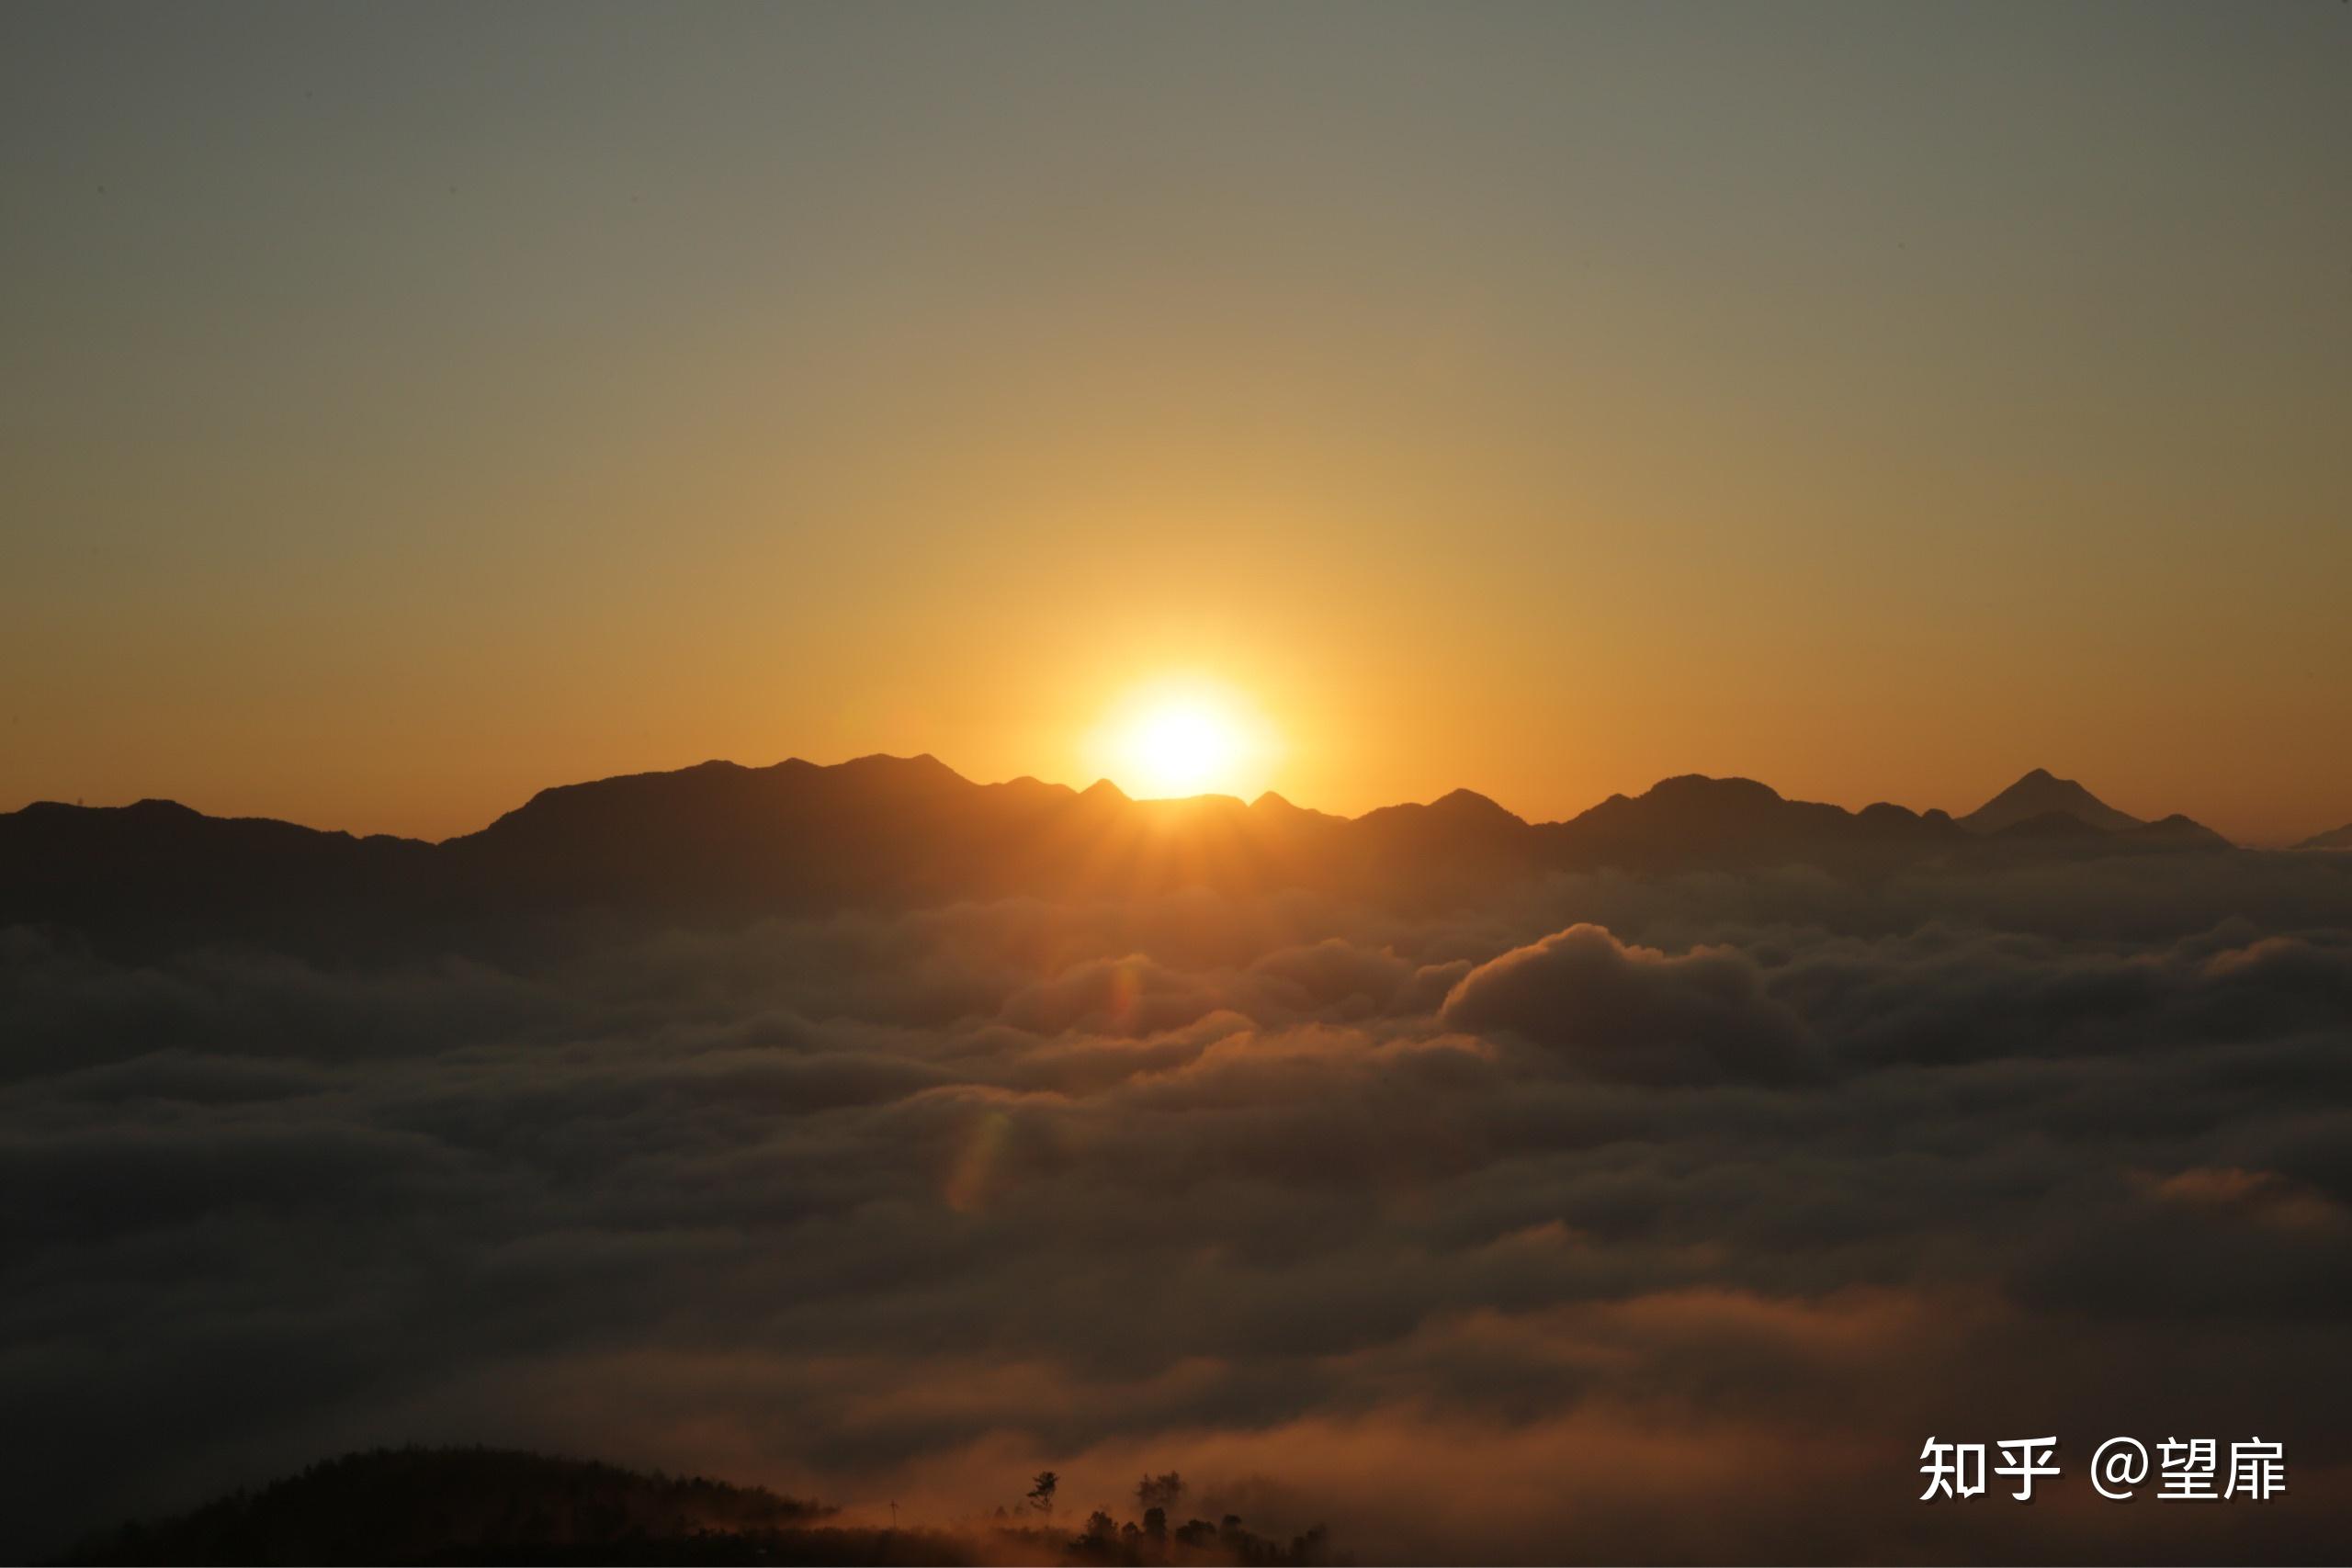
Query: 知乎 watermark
(2188, 1470)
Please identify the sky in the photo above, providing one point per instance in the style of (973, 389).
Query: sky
(405, 408)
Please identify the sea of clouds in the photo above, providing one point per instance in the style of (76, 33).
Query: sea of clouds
(1619, 1218)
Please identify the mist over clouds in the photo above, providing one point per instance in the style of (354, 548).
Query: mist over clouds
(1613, 1217)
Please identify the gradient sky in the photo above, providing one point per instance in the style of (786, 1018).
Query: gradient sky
(405, 407)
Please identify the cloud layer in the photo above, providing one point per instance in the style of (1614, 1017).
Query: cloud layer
(1621, 1218)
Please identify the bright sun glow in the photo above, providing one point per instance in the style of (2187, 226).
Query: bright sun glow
(1174, 740)
(1182, 751)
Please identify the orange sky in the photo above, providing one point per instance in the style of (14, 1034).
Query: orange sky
(407, 410)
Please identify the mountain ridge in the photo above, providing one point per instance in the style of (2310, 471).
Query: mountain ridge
(923, 769)
(724, 839)
(2333, 839)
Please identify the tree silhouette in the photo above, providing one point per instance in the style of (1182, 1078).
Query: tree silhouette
(1160, 1491)
(1041, 1495)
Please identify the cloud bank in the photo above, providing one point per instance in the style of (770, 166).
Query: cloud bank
(1617, 1218)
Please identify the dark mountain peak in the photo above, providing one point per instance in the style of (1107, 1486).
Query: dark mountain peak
(1887, 821)
(920, 768)
(2039, 794)
(1028, 788)
(151, 810)
(1102, 790)
(1456, 812)
(1692, 818)
(2182, 829)
(1696, 800)
(1457, 831)
(1469, 805)
(1700, 787)
(1277, 813)
(717, 788)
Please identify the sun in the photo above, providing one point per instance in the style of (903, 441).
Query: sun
(1184, 739)
(1181, 748)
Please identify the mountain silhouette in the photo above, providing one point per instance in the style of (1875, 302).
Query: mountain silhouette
(2047, 825)
(504, 1506)
(2042, 795)
(721, 841)
(1694, 819)
(495, 1506)
(2176, 830)
(2334, 839)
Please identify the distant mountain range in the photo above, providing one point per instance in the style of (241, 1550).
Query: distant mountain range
(2334, 839)
(720, 839)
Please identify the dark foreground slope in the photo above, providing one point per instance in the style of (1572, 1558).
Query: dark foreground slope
(482, 1505)
(723, 840)
(498, 1505)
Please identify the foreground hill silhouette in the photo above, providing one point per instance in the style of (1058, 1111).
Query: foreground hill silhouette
(489, 1506)
(724, 840)
(499, 1505)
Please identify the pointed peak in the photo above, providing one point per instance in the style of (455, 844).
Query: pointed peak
(2039, 794)
(1102, 790)
(1280, 808)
